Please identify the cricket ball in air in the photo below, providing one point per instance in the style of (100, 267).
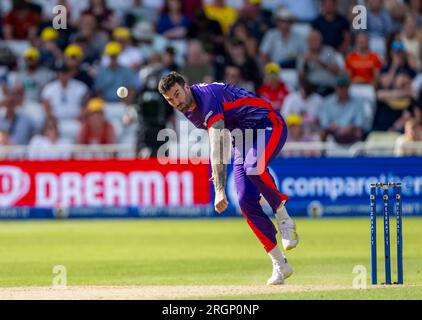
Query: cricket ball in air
(122, 92)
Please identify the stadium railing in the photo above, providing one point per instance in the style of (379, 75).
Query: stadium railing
(127, 151)
(64, 152)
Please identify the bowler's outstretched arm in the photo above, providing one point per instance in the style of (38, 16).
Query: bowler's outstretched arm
(220, 151)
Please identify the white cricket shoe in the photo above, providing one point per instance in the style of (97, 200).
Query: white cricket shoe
(288, 234)
(281, 271)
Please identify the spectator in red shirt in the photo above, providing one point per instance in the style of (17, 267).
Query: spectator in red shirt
(273, 88)
(362, 64)
(190, 7)
(95, 128)
(21, 22)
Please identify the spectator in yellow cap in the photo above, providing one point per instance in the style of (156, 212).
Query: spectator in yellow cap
(74, 51)
(31, 54)
(50, 51)
(121, 33)
(297, 134)
(95, 105)
(95, 128)
(294, 119)
(74, 56)
(113, 49)
(49, 34)
(31, 75)
(113, 75)
(225, 15)
(273, 88)
(130, 56)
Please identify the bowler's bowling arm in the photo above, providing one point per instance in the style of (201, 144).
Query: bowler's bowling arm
(219, 154)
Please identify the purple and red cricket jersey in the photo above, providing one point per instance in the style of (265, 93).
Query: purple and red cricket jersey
(242, 109)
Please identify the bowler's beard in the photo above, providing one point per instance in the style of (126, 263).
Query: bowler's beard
(185, 107)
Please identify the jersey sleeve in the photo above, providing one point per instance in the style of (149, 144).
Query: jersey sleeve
(213, 119)
(212, 111)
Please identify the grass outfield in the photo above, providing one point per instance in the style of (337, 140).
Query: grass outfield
(203, 252)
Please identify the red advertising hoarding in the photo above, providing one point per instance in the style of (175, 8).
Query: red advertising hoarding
(103, 183)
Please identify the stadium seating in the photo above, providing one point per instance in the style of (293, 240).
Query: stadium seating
(69, 129)
(302, 29)
(377, 44)
(113, 111)
(17, 46)
(380, 143)
(367, 94)
(35, 111)
(363, 91)
(291, 78)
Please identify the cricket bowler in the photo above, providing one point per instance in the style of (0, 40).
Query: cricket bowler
(219, 107)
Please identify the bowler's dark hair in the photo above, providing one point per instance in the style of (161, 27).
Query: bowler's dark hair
(167, 82)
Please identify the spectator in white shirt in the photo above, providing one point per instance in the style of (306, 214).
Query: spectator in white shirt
(109, 79)
(305, 103)
(42, 145)
(33, 76)
(64, 97)
(342, 116)
(282, 45)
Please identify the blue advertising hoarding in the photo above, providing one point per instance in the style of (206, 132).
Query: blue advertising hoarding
(341, 186)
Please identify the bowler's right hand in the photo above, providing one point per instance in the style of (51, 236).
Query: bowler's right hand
(220, 202)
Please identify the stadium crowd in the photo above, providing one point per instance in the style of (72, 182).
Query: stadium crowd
(332, 82)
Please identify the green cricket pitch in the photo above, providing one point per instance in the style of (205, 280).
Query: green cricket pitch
(197, 259)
